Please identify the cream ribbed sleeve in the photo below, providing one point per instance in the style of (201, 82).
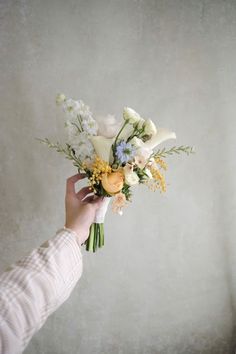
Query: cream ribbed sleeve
(36, 286)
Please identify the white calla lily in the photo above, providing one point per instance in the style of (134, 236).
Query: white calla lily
(161, 136)
(102, 146)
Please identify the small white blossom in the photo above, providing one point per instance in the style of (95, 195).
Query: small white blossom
(60, 98)
(131, 178)
(128, 168)
(89, 124)
(82, 146)
(149, 127)
(72, 107)
(145, 152)
(137, 142)
(131, 116)
(140, 161)
(71, 130)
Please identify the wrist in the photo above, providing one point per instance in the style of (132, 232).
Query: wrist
(75, 233)
(80, 232)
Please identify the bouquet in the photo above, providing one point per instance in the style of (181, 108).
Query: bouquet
(115, 156)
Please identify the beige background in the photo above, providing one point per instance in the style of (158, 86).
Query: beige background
(165, 281)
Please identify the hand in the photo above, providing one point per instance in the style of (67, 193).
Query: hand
(80, 211)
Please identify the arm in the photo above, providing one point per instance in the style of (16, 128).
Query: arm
(35, 287)
(39, 283)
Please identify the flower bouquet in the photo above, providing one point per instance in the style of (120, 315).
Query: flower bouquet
(114, 155)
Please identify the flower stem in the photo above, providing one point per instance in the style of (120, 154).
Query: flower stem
(115, 142)
(96, 237)
(90, 241)
(137, 132)
(76, 125)
(102, 234)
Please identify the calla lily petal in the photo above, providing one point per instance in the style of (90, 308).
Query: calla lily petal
(102, 146)
(161, 136)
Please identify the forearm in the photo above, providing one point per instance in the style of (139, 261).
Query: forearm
(36, 286)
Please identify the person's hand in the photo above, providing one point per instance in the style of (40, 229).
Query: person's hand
(80, 211)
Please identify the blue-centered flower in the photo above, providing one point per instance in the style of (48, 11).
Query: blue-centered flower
(125, 152)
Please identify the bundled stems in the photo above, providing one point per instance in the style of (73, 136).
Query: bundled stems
(96, 237)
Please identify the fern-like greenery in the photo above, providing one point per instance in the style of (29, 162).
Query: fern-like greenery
(67, 150)
(174, 150)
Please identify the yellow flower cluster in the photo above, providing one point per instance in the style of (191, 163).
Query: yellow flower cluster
(99, 168)
(159, 180)
(161, 163)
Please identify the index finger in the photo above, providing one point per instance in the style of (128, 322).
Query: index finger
(70, 182)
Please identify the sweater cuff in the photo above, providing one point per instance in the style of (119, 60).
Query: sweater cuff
(72, 232)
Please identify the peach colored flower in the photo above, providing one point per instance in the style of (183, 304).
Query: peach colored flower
(113, 182)
(118, 203)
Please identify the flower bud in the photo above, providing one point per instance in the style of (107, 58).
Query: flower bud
(131, 116)
(150, 128)
(60, 98)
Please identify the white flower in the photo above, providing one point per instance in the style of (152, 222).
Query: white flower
(80, 115)
(82, 146)
(71, 129)
(108, 126)
(89, 124)
(102, 146)
(89, 162)
(140, 161)
(128, 168)
(145, 152)
(141, 147)
(60, 98)
(72, 107)
(131, 116)
(131, 178)
(84, 110)
(142, 157)
(149, 127)
(138, 143)
(161, 136)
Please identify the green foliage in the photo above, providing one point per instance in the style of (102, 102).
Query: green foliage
(141, 174)
(127, 192)
(174, 150)
(100, 191)
(67, 150)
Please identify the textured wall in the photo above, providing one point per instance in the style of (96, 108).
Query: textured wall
(165, 281)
